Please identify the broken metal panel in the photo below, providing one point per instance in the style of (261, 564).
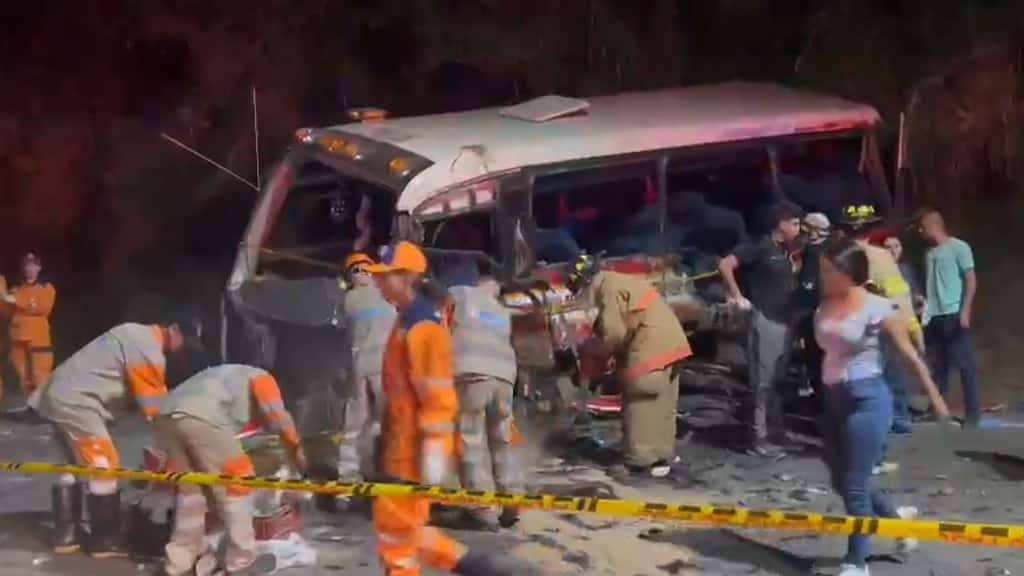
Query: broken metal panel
(311, 302)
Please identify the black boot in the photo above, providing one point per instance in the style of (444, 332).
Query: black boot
(67, 513)
(494, 564)
(105, 525)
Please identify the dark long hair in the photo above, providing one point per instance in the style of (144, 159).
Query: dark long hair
(848, 258)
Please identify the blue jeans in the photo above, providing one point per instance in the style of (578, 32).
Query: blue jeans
(856, 421)
(949, 344)
(897, 375)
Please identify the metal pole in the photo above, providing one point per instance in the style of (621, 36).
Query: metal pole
(256, 132)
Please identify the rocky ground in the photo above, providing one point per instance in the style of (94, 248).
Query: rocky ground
(961, 475)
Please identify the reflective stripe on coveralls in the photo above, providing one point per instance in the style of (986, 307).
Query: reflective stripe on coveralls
(417, 440)
(31, 352)
(197, 428)
(99, 383)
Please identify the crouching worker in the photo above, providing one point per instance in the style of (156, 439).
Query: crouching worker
(96, 385)
(485, 372)
(197, 429)
(637, 327)
(418, 427)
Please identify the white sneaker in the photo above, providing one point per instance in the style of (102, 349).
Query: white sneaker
(907, 545)
(660, 470)
(853, 570)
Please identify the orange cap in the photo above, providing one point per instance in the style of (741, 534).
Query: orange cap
(401, 257)
(357, 258)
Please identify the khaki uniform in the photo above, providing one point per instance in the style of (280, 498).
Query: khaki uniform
(369, 320)
(196, 428)
(639, 327)
(118, 371)
(485, 372)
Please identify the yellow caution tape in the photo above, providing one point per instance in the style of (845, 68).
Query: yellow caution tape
(998, 535)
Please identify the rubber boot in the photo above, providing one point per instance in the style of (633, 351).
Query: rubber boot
(105, 526)
(491, 564)
(67, 513)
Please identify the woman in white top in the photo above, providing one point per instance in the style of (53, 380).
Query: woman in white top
(849, 325)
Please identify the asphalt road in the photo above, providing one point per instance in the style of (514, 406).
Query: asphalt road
(962, 475)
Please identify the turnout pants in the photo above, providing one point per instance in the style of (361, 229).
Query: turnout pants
(649, 405)
(486, 430)
(404, 540)
(363, 411)
(191, 445)
(32, 362)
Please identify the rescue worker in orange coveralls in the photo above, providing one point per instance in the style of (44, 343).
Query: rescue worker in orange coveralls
(29, 333)
(99, 383)
(418, 428)
(197, 429)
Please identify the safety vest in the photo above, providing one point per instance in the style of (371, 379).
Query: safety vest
(370, 319)
(481, 335)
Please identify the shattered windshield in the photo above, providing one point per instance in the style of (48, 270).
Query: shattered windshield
(326, 215)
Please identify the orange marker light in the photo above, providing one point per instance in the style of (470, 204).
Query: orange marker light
(332, 144)
(399, 167)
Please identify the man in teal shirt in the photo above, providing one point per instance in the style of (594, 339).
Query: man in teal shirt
(950, 286)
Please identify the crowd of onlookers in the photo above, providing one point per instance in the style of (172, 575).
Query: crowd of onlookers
(873, 327)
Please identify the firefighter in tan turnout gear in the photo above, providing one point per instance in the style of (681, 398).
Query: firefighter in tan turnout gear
(485, 373)
(638, 328)
(119, 370)
(197, 429)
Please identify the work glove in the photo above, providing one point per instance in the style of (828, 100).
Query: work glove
(433, 463)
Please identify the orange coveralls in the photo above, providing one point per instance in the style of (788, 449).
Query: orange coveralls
(417, 440)
(31, 348)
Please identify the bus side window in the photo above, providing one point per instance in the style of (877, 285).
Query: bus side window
(611, 210)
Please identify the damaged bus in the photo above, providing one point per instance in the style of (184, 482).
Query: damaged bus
(661, 183)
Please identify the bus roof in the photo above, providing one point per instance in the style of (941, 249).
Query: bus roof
(466, 145)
